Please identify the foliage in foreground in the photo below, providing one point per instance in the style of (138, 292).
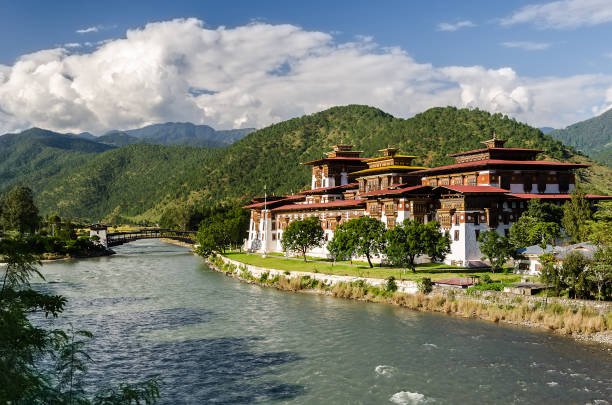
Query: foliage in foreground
(24, 346)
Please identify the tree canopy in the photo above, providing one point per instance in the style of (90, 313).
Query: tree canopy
(302, 235)
(18, 212)
(410, 239)
(363, 236)
(576, 214)
(495, 248)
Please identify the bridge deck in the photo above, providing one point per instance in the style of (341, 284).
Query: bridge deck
(119, 238)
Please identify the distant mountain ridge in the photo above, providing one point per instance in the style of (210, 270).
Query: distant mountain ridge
(178, 133)
(592, 137)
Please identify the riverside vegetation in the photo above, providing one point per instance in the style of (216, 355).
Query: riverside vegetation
(39, 365)
(560, 318)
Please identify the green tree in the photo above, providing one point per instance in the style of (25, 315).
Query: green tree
(222, 229)
(574, 275)
(495, 248)
(544, 211)
(362, 236)
(600, 228)
(302, 235)
(437, 242)
(410, 239)
(600, 270)
(576, 213)
(529, 231)
(18, 212)
(550, 273)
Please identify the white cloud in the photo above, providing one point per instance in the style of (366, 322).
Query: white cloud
(527, 45)
(456, 26)
(88, 30)
(72, 45)
(259, 74)
(563, 14)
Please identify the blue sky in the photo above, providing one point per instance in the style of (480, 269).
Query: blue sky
(513, 57)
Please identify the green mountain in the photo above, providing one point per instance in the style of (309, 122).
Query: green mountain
(36, 155)
(183, 133)
(141, 181)
(119, 139)
(593, 137)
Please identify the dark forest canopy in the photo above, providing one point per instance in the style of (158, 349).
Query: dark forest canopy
(140, 182)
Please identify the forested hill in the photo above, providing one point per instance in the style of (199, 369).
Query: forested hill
(593, 137)
(177, 133)
(141, 181)
(37, 154)
(271, 155)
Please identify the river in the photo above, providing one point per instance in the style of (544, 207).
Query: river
(157, 310)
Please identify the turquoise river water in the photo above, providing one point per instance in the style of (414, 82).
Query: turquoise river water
(157, 310)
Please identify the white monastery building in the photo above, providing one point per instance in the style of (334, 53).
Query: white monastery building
(485, 189)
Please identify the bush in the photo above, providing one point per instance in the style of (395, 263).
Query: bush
(424, 285)
(486, 279)
(390, 284)
(486, 287)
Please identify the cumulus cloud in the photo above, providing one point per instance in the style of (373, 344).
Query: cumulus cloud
(260, 74)
(563, 14)
(455, 26)
(527, 45)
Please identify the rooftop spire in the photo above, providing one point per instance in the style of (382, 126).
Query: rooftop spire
(495, 142)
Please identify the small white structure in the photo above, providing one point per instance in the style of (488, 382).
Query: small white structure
(101, 232)
(529, 262)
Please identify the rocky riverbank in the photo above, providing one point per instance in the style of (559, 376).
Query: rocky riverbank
(580, 320)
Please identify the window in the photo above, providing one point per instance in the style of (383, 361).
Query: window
(456, 219)
(477, 233)
(274, 236)
(457, 234)
(504, 182)
(528, 184)
(541, 184)
(476, 219)
(506, 232)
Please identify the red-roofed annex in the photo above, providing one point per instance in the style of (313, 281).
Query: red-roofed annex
(487, 188)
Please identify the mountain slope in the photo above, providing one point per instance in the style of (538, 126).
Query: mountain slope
(593, 137)
(35, 155)
(185, 133)
(141, 181)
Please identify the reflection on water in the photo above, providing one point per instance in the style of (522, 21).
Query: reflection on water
(157, 310)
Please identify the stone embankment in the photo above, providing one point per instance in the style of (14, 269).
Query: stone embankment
(405, 286)
(581, 320)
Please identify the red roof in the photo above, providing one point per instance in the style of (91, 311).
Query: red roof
(333, 204)
(499, 162)
(455, 281)
(558, 196)
(391, 191)
(496, 149)
(318, 190)
(474, 189)
(337, 158)
(268, 203)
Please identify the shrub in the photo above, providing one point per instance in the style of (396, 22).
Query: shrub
(486, 279)
(424, 285)
(390, 284)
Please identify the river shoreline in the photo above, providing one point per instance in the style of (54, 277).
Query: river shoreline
(451, 302)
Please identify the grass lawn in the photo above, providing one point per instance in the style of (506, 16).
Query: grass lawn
(365, 264)
(326, 267)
